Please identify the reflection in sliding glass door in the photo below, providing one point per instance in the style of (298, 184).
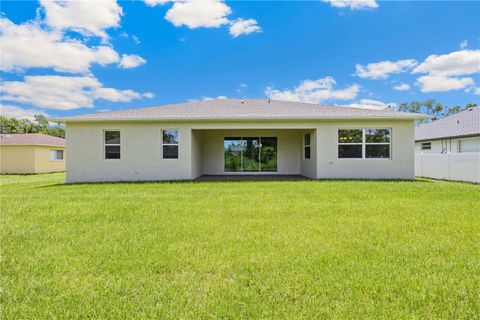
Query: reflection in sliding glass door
(250, 154)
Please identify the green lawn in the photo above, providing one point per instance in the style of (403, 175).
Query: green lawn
(250, 249)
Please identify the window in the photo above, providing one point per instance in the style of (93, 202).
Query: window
(364, 143)
(426, 146)
(350, 143)
(306, 146)
(469, 145)
(112, 144)
(170, 144)
(56, 154)
(377, 143)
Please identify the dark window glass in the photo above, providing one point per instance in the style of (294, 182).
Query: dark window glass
(350, 136)
(307, 140)
(170, 136)
(377, 151)
(268, 154)
(427, 146)
(377, 135)
(170, 152)
(350, 151)
(112, 152)
(307, 152)
(233, 148)
(59, 154)
(112, 137)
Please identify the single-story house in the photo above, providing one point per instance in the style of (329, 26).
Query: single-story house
(449, 148)
(31, 153)
(238, 137)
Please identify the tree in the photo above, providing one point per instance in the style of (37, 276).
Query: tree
(431, 107)
(40, 124)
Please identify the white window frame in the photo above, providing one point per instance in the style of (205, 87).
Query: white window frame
(111, 144)
(54, 154)
(459, 145)
(424, 144)
(307, 146)
(364, 143)
(171, 144)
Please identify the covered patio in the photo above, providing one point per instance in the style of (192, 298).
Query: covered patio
(239, 154)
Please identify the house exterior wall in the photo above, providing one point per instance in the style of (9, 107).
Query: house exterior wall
(400, 166)
(450, 145)
(43, 161)
(197, 153)
(201, 150)
(308, 167)
(141, 153)
(28, 159)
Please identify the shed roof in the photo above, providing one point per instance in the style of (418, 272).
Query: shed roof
(465, 123)
(31, 139)
(241, 109)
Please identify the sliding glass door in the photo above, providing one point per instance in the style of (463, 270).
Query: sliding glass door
(250, 154)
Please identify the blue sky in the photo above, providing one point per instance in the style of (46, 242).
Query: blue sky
(58, 61)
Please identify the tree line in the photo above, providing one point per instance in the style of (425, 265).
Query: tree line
(39, 124)
(433, 108)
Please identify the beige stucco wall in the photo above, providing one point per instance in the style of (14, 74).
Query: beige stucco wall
(450, 145)
(308, 167)
(201, 150)
(400, 166)
(197, 153)
(25, 159)
(141, 153)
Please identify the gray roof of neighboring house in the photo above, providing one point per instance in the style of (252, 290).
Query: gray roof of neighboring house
(465, 123)
(38, 139)
(240, 109)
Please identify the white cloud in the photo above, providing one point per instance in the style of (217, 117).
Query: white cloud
(241, 26)
(85, 17)
(153, 3)
(402, 87)
(196, 14)
(50, 49)
(19, 113)
(444, 71)
(476, 91)
(63, 93)
(456, 63)
(464, 44)
(381, 70)
(372, 104)
(353, 4)
(438, 83)
(131, 61)
(314, 91)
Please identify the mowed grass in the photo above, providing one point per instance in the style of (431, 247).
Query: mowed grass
(248, 249)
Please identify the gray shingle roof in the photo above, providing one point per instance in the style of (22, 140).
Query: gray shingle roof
(236, 109)
(30, 139)
(465, 123)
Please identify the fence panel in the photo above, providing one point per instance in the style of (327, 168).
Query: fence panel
(453, 166)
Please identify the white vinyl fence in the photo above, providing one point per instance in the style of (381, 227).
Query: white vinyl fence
(453, 166)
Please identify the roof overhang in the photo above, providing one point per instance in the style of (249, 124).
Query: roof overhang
(449, 137)
(237, 119)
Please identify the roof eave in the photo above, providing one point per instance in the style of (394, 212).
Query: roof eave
(448, 137)
(186, 119)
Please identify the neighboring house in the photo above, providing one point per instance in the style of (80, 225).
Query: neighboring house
(449, 148)
(31, 153)
(228, 137)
